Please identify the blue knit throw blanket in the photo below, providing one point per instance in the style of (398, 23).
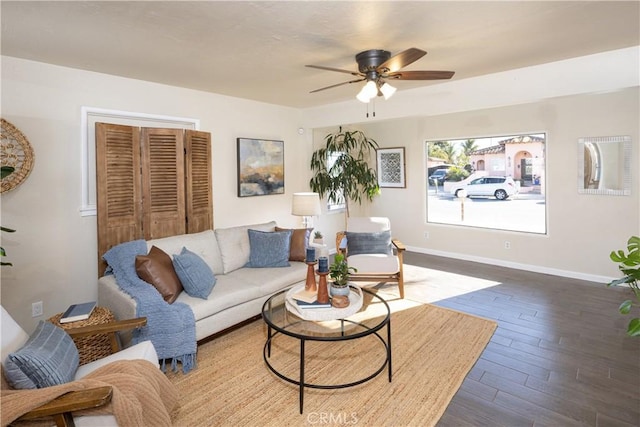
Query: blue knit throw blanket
(170, 327)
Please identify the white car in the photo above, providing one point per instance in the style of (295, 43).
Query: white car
(500, 187)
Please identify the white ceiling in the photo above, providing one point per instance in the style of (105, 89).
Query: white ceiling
(258, 50)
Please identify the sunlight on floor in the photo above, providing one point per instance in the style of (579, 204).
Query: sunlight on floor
(428, 286)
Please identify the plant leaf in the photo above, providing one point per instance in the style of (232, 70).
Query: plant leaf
(625, 307)
(633, 330)
(6, 171)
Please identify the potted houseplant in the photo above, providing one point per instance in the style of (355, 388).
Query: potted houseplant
(318, 237)
(341, 168)
(339, 272)
(629, 265)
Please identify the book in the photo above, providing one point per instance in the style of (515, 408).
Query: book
(314, 304)
(77, 312)
(305, 296)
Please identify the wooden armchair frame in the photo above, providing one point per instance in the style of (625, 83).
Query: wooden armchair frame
(61, 408)
(395, 277)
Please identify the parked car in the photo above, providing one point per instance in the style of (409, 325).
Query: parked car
(438, 176)
(500, 187)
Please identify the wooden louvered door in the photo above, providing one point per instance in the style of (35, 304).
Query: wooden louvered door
(119, 196)
(148, 187)
(163, 182)
(199, 203)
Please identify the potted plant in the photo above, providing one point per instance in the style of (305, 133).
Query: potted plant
(339, 272)
(629, 265)
(318, 238)
(341, 168)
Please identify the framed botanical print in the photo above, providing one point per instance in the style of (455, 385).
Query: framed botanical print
(391, 165)
(260, 167)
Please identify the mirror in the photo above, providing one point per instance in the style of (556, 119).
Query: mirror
(604, 165)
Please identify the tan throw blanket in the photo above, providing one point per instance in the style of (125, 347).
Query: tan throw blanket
(142, 395)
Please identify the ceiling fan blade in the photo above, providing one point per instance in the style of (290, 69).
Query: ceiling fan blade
(339, 84)
(320, 67)
(421, 75)
(401, 60)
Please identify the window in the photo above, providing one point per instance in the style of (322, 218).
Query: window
(333, 205)
(496, 182)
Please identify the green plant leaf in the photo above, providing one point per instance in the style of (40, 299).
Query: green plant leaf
(6, 171)
(633, 330)
(625, 307)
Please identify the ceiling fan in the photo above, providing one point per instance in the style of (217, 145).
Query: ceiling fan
(376, 66)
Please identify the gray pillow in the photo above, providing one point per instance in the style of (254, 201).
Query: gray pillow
(269, 249)
(48, 358)
(369, 243)
(196, 276)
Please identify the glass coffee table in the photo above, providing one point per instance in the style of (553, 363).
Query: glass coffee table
(284, 320)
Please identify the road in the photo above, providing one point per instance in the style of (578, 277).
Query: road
(522, 212)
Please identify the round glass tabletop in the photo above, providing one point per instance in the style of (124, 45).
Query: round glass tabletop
(371, 316)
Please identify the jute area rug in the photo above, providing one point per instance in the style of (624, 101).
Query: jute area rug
(433, 348)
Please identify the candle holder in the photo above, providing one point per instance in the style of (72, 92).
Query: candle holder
(323, 292)
(310, 284)
(323, 264)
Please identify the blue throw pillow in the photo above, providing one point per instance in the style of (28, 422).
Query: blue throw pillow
(269, 248)
(369, 243)
(48, 358)
(196, 276)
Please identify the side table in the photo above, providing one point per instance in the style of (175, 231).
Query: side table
(93, 347)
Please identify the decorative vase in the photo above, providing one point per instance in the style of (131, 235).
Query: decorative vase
(339, 290)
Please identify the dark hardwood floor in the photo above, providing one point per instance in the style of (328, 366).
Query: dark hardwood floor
(559, 356)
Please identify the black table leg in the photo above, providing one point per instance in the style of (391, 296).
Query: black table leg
(301, 375)
(389, 347)
(268, 341)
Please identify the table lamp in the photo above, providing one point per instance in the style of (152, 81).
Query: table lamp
(305, 205)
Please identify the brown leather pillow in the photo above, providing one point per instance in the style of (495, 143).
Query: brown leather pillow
(299, 243)
(157, 269)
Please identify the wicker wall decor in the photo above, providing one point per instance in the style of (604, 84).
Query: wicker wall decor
(15, 151)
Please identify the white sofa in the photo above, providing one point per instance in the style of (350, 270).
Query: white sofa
(239, 292)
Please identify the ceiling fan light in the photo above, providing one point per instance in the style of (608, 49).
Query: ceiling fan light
(387, 90)
(363, 97)
(371, 89)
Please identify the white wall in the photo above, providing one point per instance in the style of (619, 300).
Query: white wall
(54, 250)
(582, 229)
(595, 95)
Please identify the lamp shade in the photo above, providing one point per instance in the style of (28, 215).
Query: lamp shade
(387, 90)
(305, 204)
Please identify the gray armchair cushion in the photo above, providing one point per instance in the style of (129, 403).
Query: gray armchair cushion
(369, 243)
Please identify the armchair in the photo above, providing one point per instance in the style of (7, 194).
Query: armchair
(369, 247)
(61, 408)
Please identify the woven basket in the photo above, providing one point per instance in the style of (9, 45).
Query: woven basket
(93, 347)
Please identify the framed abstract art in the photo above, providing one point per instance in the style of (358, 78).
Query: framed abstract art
(260, 167)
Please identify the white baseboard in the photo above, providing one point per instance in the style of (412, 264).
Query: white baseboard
(515, 265)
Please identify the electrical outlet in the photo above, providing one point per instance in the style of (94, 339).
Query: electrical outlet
(37, 309)
(507, 244)
(426, 234)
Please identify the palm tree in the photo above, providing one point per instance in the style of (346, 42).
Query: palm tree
(469, 146)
